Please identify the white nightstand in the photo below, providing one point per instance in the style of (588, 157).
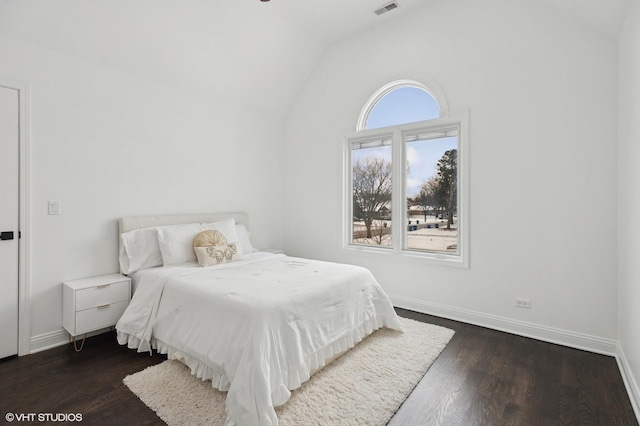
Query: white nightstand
(90, 304)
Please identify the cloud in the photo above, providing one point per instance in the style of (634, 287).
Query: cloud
(413, 184)
(413, 156)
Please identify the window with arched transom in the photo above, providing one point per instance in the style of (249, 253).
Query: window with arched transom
(405, 174)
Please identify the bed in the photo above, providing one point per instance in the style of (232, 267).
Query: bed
(258, 325)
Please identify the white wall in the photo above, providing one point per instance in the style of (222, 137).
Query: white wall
(542, 95)
(629, 200)
(107, 144)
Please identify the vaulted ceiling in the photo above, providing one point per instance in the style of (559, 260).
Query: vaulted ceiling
(257, 54)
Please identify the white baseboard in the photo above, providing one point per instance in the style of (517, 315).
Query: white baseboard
(629, 381)
(49, 340)
(540, 332)
(56, 338)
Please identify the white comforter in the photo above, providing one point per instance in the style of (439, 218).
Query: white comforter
(256, 328)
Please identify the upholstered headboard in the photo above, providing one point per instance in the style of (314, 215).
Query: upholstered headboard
(129, 223)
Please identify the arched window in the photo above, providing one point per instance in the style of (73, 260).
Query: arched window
(401, 102)
(405, 175)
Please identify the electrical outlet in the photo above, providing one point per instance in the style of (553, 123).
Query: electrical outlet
(523, 303)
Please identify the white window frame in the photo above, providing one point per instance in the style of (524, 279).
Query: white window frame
(398, 225)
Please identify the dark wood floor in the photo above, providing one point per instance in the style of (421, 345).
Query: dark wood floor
(483, 377)
(486, 377)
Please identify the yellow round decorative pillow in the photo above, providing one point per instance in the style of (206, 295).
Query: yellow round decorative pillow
(210, 237)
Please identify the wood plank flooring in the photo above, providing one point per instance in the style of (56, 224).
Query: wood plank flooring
(486, 377)
(483, 377)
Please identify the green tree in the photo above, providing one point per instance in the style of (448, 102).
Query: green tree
(371, 189)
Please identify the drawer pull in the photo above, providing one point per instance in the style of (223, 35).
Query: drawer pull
(103, 286)
(104, 306)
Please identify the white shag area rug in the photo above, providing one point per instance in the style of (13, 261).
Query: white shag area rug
(366, 385)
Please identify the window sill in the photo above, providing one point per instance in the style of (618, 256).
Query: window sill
(431, 259)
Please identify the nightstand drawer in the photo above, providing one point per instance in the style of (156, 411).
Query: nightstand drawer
(99, 317)
(102, 295)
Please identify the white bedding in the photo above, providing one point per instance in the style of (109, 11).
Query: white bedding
(257, 328)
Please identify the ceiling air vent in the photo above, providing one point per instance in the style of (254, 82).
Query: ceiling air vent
(386, 8)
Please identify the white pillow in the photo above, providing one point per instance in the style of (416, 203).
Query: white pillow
(123, 258)
(244, 239)
(139, 249)
(176, 242)
(226, 228)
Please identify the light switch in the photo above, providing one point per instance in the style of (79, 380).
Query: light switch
(54, 207)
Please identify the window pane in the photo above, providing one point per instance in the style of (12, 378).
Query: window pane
(403, 105)
(371, 183)
(432, 192)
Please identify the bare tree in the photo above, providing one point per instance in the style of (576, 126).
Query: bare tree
(426, 197)
(371, 188)
(446, 194)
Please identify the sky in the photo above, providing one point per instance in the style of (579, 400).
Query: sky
(403, 105)
(407, 105)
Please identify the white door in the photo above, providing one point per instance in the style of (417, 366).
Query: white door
(9, 213)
